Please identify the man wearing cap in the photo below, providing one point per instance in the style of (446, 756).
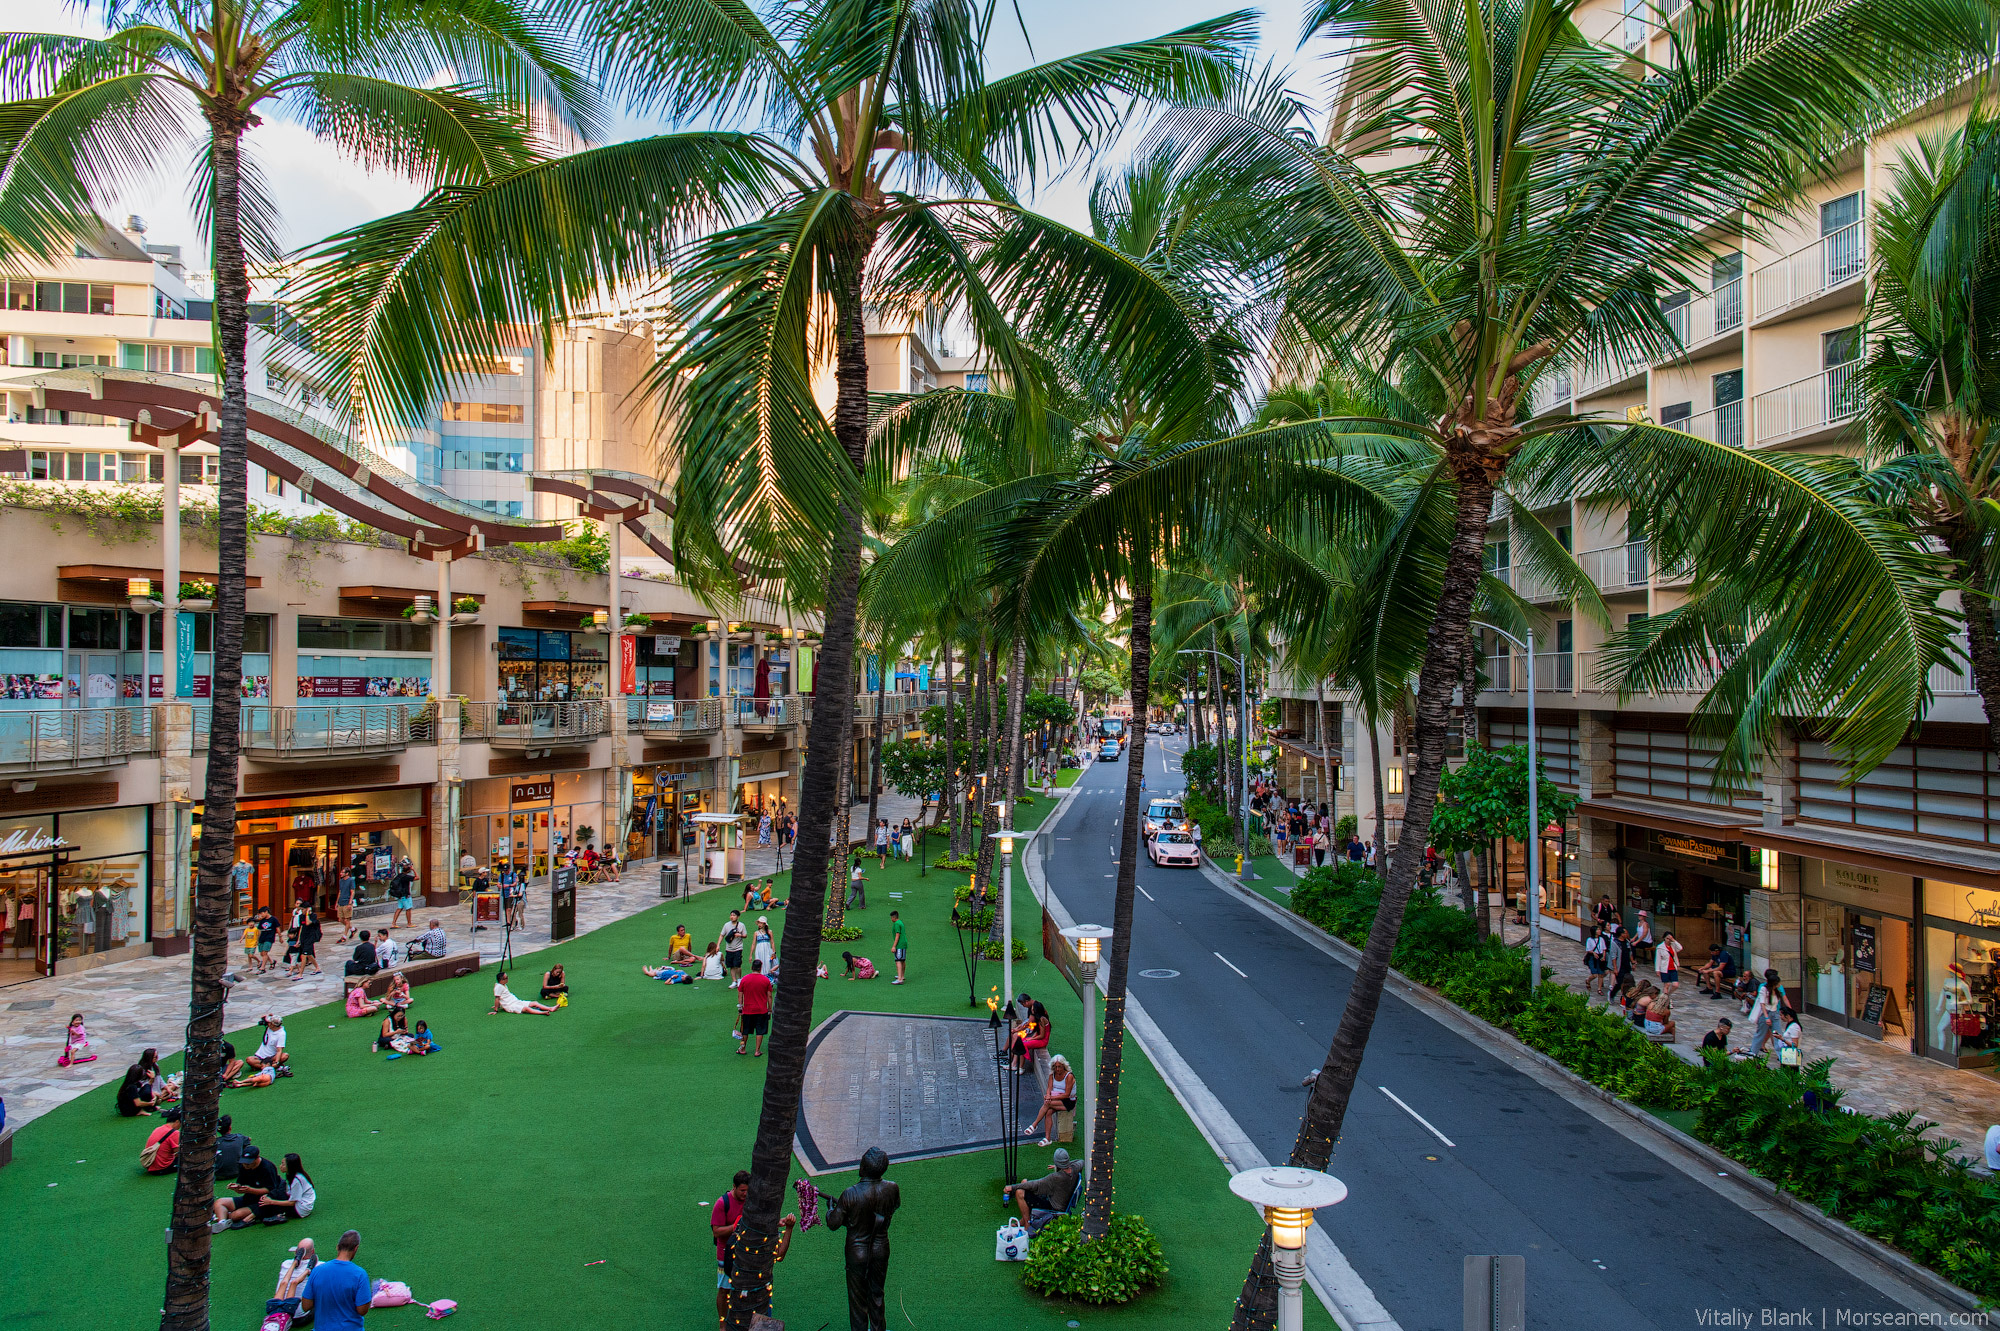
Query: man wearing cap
(1047, 1197)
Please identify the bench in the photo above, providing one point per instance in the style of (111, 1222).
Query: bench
(421, 971)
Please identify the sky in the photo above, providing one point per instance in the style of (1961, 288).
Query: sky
(318, 192)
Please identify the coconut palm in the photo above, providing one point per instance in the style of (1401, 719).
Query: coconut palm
(1502, 196)
(447, 95)
(881, 172)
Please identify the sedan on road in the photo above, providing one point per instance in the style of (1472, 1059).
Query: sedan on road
(1174, 847)
(1107, 752)
(1164, 813)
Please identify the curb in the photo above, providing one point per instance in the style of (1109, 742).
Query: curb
(1493, 1038)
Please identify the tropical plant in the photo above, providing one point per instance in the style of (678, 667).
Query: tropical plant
(447, 95)
(1443, 246)
(884, 174)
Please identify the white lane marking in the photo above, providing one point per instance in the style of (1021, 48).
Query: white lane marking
(1144, 893)
(1418, 1117)
(1227, 962)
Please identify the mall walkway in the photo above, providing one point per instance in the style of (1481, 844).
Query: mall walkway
(142, 1004)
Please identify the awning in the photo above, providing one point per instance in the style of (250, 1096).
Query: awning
(1684, 820)
(1906, 856)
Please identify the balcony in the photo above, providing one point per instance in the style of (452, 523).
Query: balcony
(1719, 425)
(75, 739)
(1825, 273)
(765, 715)
(1810, 408)
(535, 725)
(1706, 317)
(673, 716)
(1616, 568)
(349, 730)
(1612, 375)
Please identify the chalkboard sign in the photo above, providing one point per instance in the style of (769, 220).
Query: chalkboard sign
(562, 902)
(1878, 998)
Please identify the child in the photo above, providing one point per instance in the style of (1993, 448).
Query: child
(421, 1042)
(75, 1042)
(250, 946)
(858, 968)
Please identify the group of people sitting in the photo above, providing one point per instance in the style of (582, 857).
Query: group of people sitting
(145, 1088)
(266, 1065)
(377, 951)
(553, 986)
(762, 896)
(395, 1036)
(1649, 1008)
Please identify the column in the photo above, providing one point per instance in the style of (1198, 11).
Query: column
(1774, 916)
(1596, 766)
(441, 638)
(170, 571)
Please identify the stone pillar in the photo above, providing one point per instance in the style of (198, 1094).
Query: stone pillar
(172, 845)
(1596, 777)
(1774, 922)
(442, 885)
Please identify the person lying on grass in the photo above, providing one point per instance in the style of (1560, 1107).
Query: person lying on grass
(505, 1001)
(666, 975)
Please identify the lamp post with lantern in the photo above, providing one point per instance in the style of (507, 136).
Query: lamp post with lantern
(1286, 1196)
(1088, 939)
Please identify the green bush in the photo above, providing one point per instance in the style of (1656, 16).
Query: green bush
(839, 933)
(1345, 826)
(988, 950)
(963, 863)
(1117, 1268)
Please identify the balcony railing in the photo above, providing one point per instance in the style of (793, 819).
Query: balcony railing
(673, 716)
(1831, 261)
(1708, 315)
(535, 723)
(1808, 404)
(1616, 567)
(770, 713)
(328, 729)
(75, 737)
(1601, 376)
(1720, 425)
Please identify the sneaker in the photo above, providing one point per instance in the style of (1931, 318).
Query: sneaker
(217, 1226)
(895, 982)
(239, 1224)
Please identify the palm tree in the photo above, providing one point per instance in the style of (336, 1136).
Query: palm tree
(1531, 200)
(886, 159)
(449, 96)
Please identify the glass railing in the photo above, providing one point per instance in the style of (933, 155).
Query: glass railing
(75, 737)
(673, 715)
(327, 728)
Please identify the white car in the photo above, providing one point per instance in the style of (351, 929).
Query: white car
(1163, 813)
(1174, 846)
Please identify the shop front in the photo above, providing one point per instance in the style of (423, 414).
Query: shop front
(1961, 976)
(298, 846)
(1858, 949)
(664, 797)
(1697, 887)
(530, 821)
(75, 889)
(763, 783)
(552, 665)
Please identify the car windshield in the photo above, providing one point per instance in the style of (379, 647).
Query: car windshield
(1172, 838)
(1164, 811)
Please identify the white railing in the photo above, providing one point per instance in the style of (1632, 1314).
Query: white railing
(1708, 315)
(1602, 375)
(533, 722)
(1807, 404)
(1720, 425)
(1831, 261)
(786, 710)
(1552, 390)
(1616, 567)
(655, 716)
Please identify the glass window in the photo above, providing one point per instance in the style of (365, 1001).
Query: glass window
(20, 625)
(483, 413)
(395, 635)
(518, 644)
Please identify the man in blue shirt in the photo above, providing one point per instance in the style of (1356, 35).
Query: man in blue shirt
(337, 1292)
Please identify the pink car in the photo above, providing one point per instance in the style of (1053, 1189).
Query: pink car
(1174, 847)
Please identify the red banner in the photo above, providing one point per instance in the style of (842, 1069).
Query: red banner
(628, 665)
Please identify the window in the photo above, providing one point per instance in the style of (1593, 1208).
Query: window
(1842, 346)
(363, 635)
(472, 459)
(1394, 776)
(1840, 238)
(157, 359)
(51, 466)
(273, 484)
(484, 413)
(62, 297)
(200, 469)
(506, 508)
(1635, 24)
(66, 360)
(509, 365)
(1566, 537)
(1675, 414)
(166, 307)
(975, 382)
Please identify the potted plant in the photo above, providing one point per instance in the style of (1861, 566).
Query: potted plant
(637, 620)
(420, 612)
(774, 637)
(197, 596)
(465, 610)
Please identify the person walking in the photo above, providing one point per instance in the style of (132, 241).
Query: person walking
(1618, 957)
(882, 843)
(1594, 952)
(1667, 962)
(857, 891)
(731, 941)
(763, 829)
(898, 945)
(343, 905)
(909, 839)
(1766, 1006)
(403, 888)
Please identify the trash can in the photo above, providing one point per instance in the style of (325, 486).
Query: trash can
(670, 881)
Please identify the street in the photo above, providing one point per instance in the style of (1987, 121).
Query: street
(1447, 1150)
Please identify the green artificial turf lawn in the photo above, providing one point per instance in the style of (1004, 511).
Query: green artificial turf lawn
(1066, 776)
(499, 1170)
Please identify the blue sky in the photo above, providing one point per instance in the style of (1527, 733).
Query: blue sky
(319, 193)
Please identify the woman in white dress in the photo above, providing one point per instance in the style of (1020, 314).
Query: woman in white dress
(761, 947)
(505, 1001)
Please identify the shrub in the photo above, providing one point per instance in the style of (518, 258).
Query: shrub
(1345, 826)
(963, 863)
(988, 950)
(839, 933)
(1117, 1268)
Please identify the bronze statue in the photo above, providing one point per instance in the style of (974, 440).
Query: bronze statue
(864, 1210)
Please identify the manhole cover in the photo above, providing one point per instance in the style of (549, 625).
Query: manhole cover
(1158, 975)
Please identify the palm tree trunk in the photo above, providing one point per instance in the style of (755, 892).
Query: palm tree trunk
(948, 788)
(792, 1016)
(982, 870)
(1381, 798)
(1111, 1056)
(1326, 1104)
(1017, 706)
(1199, 716)
(875, 746)
(1325, 755)
(841, 839)
(186, 1307)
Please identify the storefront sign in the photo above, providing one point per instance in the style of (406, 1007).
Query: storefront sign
(1868, 889)
(661, 712)
(755, 763)
(32, 841)
(1968, 905)
(364, 686)
(1689, 848)
(532, 792)
(778, 657)
(666, 644)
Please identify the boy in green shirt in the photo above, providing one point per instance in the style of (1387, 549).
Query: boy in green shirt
(896, 944)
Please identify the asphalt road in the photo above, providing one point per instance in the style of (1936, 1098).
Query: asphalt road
(1614, 1236)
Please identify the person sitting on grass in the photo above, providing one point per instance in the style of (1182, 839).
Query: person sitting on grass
(338, 1293)
(554, 985)
(858, 968)
(161, 1154)
(135, 1094)
(680, 947)
(299, 1198)
(292, 1273)
(394, 1027)
(505, 1001)
(399, 991)
(256, 1186)
(1047, 1197)
(359, 1004)
(421, 1042)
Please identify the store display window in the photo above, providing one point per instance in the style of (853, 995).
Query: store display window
(552, 665)
(71, 885)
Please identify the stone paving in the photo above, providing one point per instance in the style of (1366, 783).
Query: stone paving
(1875, 1078)
(142, 1004)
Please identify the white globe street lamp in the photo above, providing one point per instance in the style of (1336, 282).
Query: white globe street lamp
(1286, 1196)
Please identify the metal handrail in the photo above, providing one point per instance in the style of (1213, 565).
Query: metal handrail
(1705, 316)
(1835, 259)
(1615, 567)
(535, 720)
(75, 736)
(782, 710)
(656, 716)
(327, 728)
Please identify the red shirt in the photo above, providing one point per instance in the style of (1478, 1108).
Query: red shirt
(168, 1135)
(755, 991)
(727, 1212)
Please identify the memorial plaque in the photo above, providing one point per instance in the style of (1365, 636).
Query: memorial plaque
(916, 1086)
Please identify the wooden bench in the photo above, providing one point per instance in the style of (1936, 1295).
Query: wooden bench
(421, 971)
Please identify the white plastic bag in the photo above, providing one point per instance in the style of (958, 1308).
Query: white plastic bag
(1010, 1244)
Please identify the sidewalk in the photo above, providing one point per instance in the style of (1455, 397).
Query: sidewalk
(142, 1004)
(1874, 1077)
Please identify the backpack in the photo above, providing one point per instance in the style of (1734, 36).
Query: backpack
(150, 1152)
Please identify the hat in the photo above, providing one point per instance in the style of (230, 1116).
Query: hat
(1062, 1157)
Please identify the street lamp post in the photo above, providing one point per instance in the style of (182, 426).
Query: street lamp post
(1286, 1197)
(1243, 873)
(1004, 842)
(1087, 939)
(1534, 843)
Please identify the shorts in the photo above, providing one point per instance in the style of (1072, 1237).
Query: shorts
(264, 944)
(722, 1275)
(1670, 977)
(756, 1023)
(402, 903)
(900, 954)
(732, 961)
(1593, 965)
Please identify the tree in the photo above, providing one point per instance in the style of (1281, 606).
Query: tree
(885, 171)
(446, 95)
(915, 767)
(1483, 257)
(1486, 800)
